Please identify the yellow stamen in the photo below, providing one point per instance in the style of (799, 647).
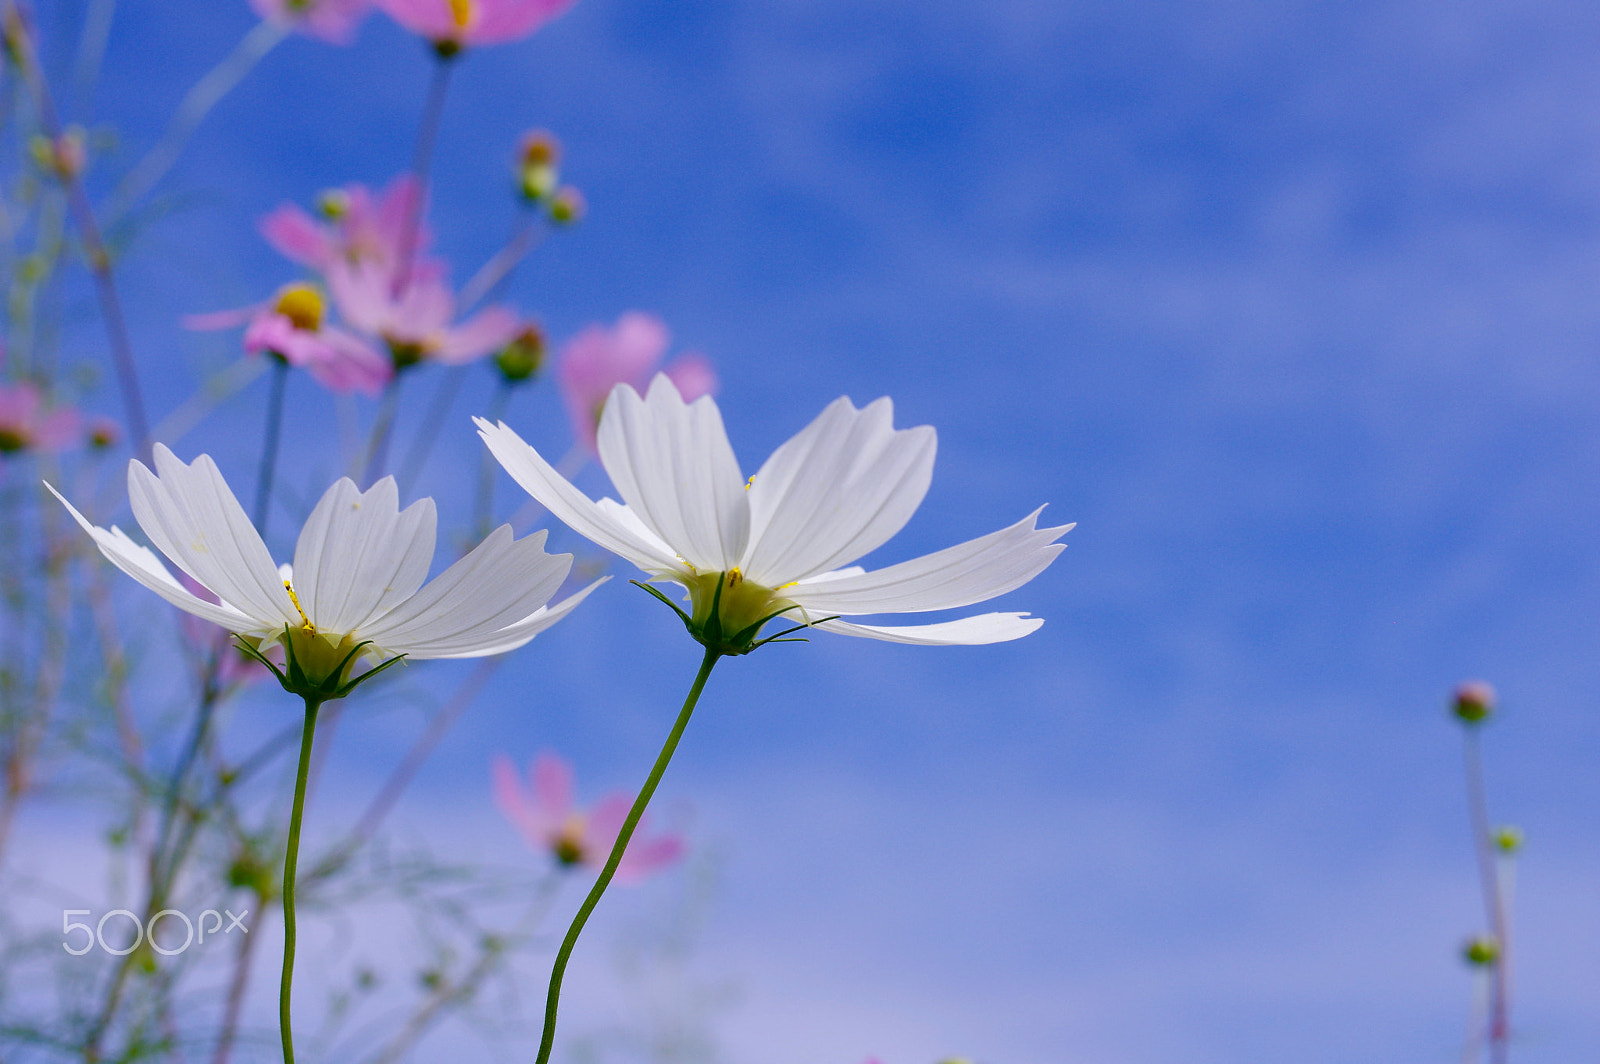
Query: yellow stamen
(305, 622)
(302, 305)
(734, 577)
(461, 12)
(749, 482)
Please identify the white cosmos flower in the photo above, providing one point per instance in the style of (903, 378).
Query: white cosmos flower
(357, 577)
(775, 545)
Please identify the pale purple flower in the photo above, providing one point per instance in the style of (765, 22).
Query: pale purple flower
(456, 24)
(418, 323)
(334, 21)
(549, 820)
(291, 326)
(598, 359)
(359, 226)
(25, 423)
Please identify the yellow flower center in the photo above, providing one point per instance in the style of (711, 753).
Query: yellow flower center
(302, 305)
(568, 844)
(740, 603)
(461, 12)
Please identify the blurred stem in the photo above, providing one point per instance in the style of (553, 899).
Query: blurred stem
(20, 37)
(494, 272)
(484, 507)
(1489, 881)
(269, 442)
(197, 103)
(236, 986)
(552, 1000)
(290, 857)
(397, 782)
(421, 160)
(444, 397)
(493, 950)
(382, 429)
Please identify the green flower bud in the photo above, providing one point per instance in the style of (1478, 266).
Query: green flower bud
(1474, 702)
(1508, 838)
(567, 206)
(523, 356)
(1481, 951)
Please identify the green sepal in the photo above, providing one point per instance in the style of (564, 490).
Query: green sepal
(293, 678)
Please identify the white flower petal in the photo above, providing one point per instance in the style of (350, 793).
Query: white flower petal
(192, 517)
(142, 564)
(968, 631)
(510, 637)
(970, 572)
(673, 466)
(359, 555)
(500, 583)
(583, 516)
(839, 488)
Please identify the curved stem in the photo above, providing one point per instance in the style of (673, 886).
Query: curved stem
(269, 444)
(547, 1040)
(290, 856)
(427, 133)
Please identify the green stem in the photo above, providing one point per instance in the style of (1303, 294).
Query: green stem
(565, 952)
(289, 859)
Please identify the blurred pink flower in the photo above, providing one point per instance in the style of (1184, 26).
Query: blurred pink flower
(291, 325)
(456, 24)
(359, 227)
(234, 667)
(549, 821)
(334, 21)
(26, 425)
(417, 324)
(598, 359)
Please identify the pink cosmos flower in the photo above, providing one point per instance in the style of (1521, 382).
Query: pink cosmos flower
(417, 324)
(360, 226)
(26, 425)
(598, 359)
(455, 24)
(291, 326)
(549, 821)
(334, 21)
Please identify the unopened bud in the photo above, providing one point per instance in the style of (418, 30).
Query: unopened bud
(104, 433)
(1508, 838)
(537, 173)
(523, 356)
(1481, 951)
(1474, 701)
(567, 206)
(63, 157)
(333, 203)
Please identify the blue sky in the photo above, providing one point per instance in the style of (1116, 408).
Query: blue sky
(1291, 307)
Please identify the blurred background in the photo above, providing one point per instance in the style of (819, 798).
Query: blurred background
(1292, 307)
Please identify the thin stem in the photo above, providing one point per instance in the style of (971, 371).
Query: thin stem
(382, 429)
(197, 103)
(19, 34)
(1494, 907)
(484, 508)
(421, 160)
(444, 397)
(236, 987)
(269, 443)
(290, 857)
(547, 1040)
(494, 272)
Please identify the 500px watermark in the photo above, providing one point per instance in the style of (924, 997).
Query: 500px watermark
(141, 931)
